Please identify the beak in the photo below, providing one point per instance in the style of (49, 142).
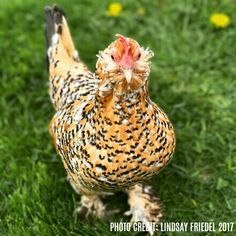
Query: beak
(128, 75)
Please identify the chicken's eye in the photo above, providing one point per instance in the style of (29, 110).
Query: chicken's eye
(112, 57)
(139, 55)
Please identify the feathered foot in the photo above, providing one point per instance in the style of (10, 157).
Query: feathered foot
(144, 205)
(91, 205)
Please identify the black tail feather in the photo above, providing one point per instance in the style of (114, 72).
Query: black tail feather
(53, 18)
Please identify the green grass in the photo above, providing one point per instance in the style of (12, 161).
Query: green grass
(193, 79)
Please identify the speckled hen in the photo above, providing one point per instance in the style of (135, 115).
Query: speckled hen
(109, 134)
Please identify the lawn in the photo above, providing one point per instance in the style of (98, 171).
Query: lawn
(193, 79)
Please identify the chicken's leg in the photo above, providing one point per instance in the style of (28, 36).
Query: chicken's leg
(91, 205)
(144, 205)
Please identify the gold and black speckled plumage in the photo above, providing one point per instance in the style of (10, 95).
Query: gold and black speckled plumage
(110, 136)
(105, 142)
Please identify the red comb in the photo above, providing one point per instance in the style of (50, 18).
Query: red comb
(126, 58)
(124, 41)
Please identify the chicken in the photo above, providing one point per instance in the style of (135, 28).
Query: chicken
(109, 134)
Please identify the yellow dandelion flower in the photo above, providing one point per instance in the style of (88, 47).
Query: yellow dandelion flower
(114, 9)
(220, 20)
(141, 11)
